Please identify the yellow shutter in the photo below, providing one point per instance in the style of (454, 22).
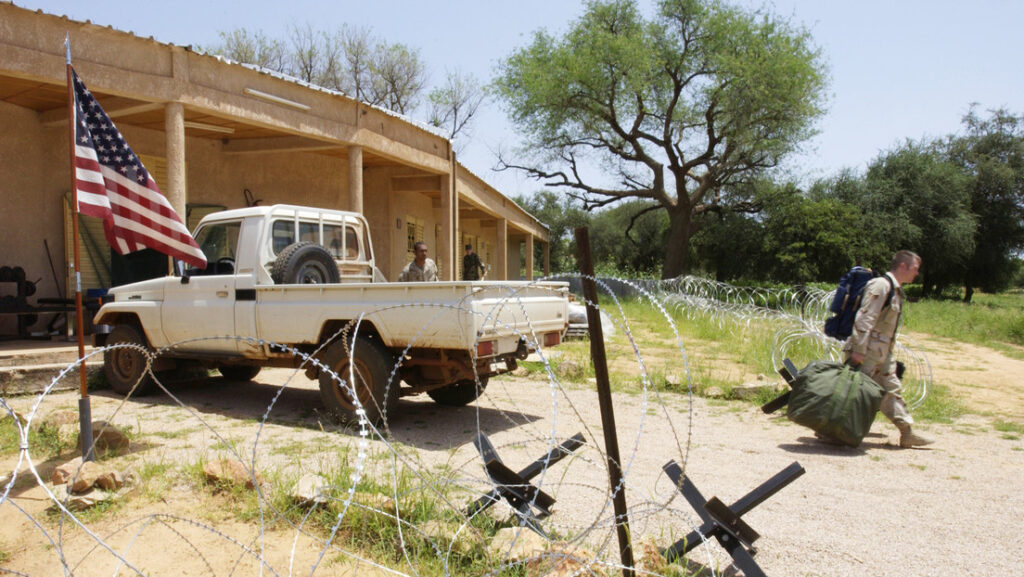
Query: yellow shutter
(94, 252)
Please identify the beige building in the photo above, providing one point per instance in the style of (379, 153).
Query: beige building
(217, 134)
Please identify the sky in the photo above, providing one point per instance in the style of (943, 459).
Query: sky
(899, 69)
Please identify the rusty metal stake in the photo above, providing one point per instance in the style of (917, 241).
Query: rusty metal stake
(604, 397)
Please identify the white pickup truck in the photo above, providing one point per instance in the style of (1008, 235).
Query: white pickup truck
(305, 278)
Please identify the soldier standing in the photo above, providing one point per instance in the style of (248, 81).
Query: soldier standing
(472, 268)
(421, 268)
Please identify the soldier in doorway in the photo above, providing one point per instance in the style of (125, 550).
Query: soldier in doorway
(472, 268)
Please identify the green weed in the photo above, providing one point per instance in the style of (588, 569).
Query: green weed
(155, 480)
(940, 406)
(44, 442)
(1008, 427)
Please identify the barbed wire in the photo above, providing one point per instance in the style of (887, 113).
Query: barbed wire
(388, 502)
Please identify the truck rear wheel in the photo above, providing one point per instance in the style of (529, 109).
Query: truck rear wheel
(371, 366)
(239, 372)
(460, 394)
(126, 366)
(304, 263)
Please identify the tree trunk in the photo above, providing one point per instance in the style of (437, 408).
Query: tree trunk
(678, 246)
(968, 293)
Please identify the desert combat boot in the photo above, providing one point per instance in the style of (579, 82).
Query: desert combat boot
(909, 439)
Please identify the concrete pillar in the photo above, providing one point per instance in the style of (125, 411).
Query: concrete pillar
(174, 126)
(547, 259)
(355, 179)
(500, 267)
(454, 250)
(529, 257)
(447, 230)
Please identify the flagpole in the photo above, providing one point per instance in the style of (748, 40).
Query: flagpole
(84, 410)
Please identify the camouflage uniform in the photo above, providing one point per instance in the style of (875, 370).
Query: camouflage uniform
(413, 273)
(874, 336)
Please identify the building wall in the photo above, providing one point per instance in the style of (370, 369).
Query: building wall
(33, 178)
(418, 206)
(377, 205)
(274, 178)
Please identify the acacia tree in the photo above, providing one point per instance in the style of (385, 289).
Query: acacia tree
(918, 201)
(673, 110)
(257, 48)
(991, 155)
(454, 104)
(351, 59)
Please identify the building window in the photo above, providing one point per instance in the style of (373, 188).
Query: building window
(413, 234)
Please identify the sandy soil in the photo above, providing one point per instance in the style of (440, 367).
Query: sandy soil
(875, 510)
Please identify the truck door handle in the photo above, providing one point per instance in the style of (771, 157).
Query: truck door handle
(222, 294)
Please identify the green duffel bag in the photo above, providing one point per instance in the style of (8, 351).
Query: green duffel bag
(835, 400)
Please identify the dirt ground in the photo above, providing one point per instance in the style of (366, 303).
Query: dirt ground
(879, 510)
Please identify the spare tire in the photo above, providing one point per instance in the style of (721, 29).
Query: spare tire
(304, 263)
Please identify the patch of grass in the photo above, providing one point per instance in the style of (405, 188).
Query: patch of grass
(100, 510)
(155, 480)
(989, 320)
(10, 437)
(421, 533)
(940, 406)
(44, 442)
(1008, 427)
(176, 433)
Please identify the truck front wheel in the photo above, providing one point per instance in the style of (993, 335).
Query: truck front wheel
(370, 368)
(460, 394)
(126, 366)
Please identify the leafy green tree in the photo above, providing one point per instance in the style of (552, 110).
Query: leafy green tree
(399, 77)
(644, 229)
(670, 111)
(810, 239)
(918, 201)
(728, 245)
(562, 215)
(991, 155)
(454, 104)
(870, 246)
(247, 47)
(351, 59)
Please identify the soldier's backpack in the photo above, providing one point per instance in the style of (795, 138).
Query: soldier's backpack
(847, 300)
(835, 400)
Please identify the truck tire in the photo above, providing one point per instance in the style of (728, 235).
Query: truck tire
(304, 263)
(239, 372)
(460, 394)
(124, 367)
(372, 367)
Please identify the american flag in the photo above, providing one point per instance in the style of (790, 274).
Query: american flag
(113, 185)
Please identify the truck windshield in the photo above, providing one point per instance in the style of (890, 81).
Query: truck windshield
(219, 242)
